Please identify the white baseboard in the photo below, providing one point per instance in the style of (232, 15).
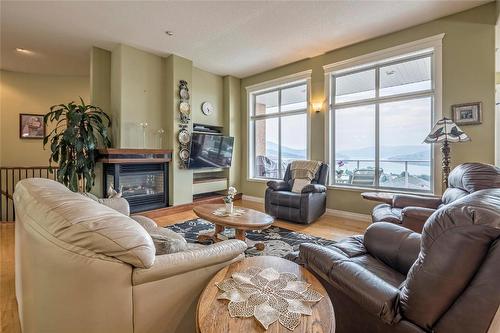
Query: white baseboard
(251, 198)
(329, 211)
(348, 215)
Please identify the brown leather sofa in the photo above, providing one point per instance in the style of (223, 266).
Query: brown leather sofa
(411, 211)
(445, 280)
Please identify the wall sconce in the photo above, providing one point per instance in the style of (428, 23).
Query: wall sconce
(317, 107)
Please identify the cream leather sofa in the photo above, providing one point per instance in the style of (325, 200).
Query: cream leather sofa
(84, 267)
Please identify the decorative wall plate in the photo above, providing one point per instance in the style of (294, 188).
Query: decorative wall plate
(185, 108)
(207, 108)
(184, 93)
(184, 154)
(184, 119)
(184, 137)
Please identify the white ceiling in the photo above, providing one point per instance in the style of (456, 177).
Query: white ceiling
(239, 38)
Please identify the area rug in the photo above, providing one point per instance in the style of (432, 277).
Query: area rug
(278, 241)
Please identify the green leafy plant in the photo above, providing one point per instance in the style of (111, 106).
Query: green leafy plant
(74, 140)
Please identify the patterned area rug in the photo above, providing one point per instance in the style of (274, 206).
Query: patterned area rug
(279, 241)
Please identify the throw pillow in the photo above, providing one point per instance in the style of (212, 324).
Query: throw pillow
(89, 195)
(167, 241)
(299, 183)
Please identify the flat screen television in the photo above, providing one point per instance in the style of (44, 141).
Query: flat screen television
(210, 151)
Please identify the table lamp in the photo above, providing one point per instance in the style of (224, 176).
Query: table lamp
(445, 131)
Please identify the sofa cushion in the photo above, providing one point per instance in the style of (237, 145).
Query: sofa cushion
(83, 223)
(472, 177)
(386, 213)
(117, 203)
(358, 275)
(286, 199)
(166, 241)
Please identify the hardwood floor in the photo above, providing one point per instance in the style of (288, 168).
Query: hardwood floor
(327, 226)
(330, 227)
(9, 320)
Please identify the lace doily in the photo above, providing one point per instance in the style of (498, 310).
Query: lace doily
(222, 212)
(268, 296)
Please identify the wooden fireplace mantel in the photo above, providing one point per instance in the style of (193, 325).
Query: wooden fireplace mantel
(129, 155)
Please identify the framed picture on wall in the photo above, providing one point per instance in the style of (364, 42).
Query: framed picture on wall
(467, 114)
(31, 126)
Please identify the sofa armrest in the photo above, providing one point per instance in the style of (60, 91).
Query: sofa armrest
(177, 263)
(119, 204)
(414, 218)
(405, 200)
(419, 213)
(372, 293)
(394, 245)
(314, 188)
(278, 185)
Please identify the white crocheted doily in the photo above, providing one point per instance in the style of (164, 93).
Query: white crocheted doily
(222, 212)
(268, 296)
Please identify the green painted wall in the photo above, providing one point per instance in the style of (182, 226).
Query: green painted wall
(207, 87)
(232, 127)
(468, 76)
(141, 89)
(100, 95)
(181, 180)
(144, 88)
(116, 95)
(100, 78)
(35, 94)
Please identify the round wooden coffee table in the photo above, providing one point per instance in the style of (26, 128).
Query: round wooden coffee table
(212, 315)
(250, 220)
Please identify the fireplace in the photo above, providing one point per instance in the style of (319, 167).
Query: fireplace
(140, 174)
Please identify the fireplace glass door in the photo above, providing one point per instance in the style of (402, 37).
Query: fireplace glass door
(144, 186)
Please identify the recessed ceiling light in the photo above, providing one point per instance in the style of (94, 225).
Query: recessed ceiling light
(169, 32)
(24, 51)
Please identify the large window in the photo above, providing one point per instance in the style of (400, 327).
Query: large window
(278, 127)
(380, 114)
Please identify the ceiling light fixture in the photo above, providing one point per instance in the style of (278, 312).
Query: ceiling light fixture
(170, 33)
(24, 51)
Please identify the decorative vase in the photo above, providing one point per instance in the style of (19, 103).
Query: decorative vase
(229, 207)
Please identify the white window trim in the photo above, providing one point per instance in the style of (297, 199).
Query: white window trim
(433, 43)
(275, 83)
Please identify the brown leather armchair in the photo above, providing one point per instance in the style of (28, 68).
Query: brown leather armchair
(411, 211)
(395, 280)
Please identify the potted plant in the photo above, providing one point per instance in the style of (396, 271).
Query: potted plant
(74, 140)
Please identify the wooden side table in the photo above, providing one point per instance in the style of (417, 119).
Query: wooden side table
(212, 315)
(384, 197)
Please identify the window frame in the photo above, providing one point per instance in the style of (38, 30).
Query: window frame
(432, 47)
(278, 85)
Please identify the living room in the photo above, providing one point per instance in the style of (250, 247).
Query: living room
(206, 166)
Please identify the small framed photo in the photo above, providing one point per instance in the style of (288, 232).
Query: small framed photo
(467, 114)
(31, 126)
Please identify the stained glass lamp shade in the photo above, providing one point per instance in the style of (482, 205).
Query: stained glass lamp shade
(445, 131)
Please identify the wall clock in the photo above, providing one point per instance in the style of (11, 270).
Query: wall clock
(207, 108)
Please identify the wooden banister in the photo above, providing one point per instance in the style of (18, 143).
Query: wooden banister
(9, 176)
